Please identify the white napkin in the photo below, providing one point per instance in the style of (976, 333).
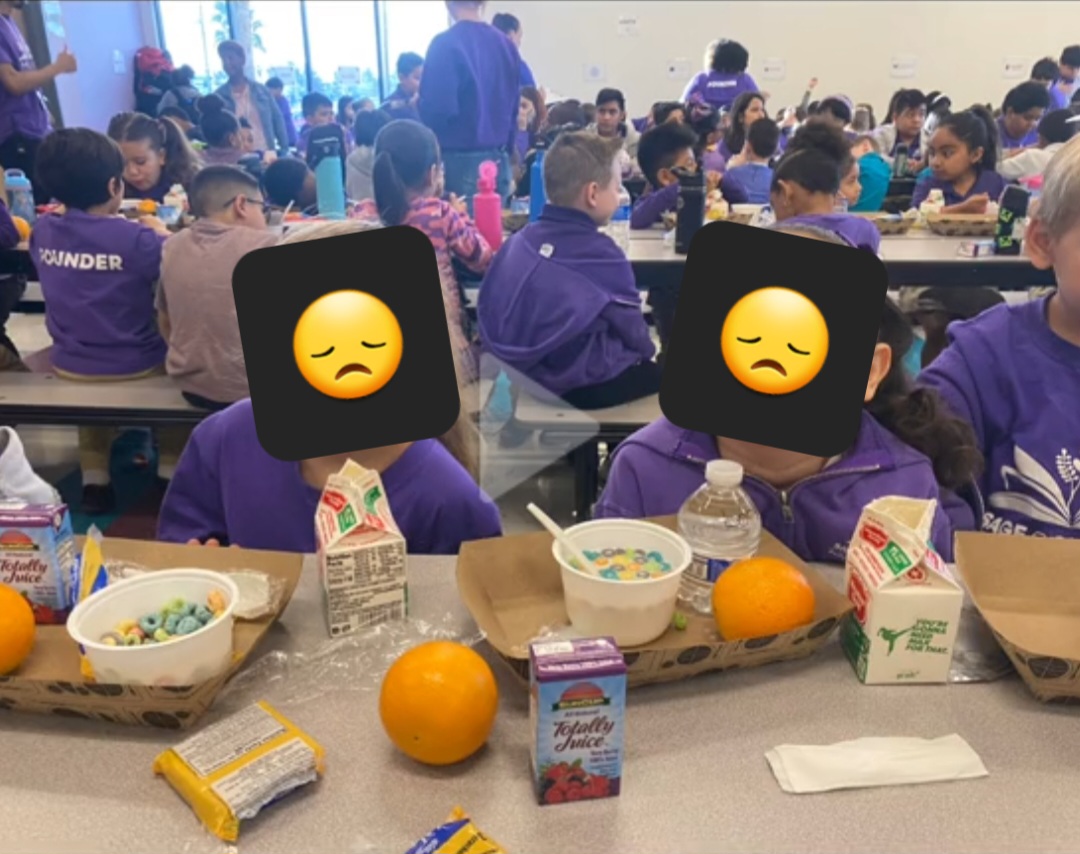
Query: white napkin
(868, 762)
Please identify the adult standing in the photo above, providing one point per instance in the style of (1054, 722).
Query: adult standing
(510, 26)
(249, 100)
(24, 120)
(469, 97)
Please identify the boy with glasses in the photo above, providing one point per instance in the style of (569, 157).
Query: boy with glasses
(196, 312)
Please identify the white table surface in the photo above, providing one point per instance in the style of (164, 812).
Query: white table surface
(695, 778)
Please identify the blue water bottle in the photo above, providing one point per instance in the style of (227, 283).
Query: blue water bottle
(20, 195)
(324, 155)
(537, 196)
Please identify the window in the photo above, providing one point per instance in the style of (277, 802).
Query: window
(277, 46)
(192, 30)
(344, 49)
(410, 27)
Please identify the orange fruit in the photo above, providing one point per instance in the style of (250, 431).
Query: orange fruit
(147, 207)
(438, 702)
(16, 629)
(759, 597)
(22, 226)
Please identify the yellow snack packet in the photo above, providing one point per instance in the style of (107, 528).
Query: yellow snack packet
(457, 836)
(233, 769)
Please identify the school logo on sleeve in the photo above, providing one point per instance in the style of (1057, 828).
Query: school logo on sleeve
(346, 343)
(773, 338)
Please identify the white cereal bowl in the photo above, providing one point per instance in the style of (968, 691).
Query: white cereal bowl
(631, 612)
(187, 660)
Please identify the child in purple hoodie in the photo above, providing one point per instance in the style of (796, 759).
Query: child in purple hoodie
(559, 303)
(963, 154)
(98, 273)
(807, 180)
(725, 80)
(1013, 372)
(663, 151)
(229, 491)
(810, 503)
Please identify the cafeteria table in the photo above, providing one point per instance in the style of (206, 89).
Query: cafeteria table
(695, 777)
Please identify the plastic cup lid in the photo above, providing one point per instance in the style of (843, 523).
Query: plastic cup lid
(723, 473)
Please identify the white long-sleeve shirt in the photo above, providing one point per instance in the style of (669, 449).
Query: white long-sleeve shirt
(1028, 163)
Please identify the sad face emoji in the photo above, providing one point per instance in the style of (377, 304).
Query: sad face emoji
(774, 340)
(347, 344)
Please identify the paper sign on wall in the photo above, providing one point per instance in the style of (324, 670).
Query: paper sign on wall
(678, 69)
(347, 75)
(773, 69)
(1014, 67)
(118, 64)
(593, 73)
(904, 66)
(628, 26)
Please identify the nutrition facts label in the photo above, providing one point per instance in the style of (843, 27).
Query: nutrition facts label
(251, 787)
(365, 586)
(230, 740)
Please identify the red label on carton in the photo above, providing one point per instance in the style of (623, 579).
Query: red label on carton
(37, 551)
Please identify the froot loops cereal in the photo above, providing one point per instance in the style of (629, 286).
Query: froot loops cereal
(178, 618)
(627, 564)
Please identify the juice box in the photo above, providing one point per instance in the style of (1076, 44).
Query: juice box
(907, 602)
(37, 551)
(577, 702)
(361, 552)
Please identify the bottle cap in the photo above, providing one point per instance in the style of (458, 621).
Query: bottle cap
(486, 181)
(723, 473)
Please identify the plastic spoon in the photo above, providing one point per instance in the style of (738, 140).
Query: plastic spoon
(560, 535)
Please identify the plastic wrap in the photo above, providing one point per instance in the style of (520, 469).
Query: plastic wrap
(260, 593)
(355, 662)
(977, 656)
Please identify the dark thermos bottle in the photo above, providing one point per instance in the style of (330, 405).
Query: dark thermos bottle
(1012, 207)
(900, 161)
(690, 210)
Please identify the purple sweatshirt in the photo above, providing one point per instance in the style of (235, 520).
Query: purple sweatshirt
(988, 182)
(649, 208)
(20, 114)
(559, 304)
(856, 230)
(285, 108)
(98, 275)
(1010, 142)
(1018, 384)
(226, 486)
(469, 91)
(718, 90)
(655, 470)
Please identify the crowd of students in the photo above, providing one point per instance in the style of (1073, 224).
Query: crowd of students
(988, 428)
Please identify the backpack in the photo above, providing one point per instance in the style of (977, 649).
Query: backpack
(153, 77)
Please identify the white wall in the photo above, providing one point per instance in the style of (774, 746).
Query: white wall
(960, 46)
(95, 30)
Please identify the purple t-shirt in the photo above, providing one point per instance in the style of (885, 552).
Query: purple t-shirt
(1010, 142)
(1018, 385)
(657, 468)
(856, 230)
(649, 208)
(988, 182)
(718, 90)
(98, 275)
(469, 91)
(226, 486)
(19, 114)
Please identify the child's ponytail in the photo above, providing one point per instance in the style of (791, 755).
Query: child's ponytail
(405, 153)
(919, 417)
(990, 150)
(181, 160)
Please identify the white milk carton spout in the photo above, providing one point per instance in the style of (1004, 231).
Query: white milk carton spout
(907, 602)
(361, 552)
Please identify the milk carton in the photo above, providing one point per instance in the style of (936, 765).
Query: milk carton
(907, 602)
(37, 551)
(577, 700)
(361, 552)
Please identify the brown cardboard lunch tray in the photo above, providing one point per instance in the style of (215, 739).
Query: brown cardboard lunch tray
(889, 224)
(513, 589)
(962, 225)
(1028, 591)
(50, 682)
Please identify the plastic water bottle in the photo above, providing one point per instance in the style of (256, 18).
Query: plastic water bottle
(537, 196)
(487, 206)
(326, 146)
(619, 227)
(20, 195)
(722, 526)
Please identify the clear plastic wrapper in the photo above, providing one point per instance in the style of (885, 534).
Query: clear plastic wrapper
(977, 656)
(356, 662)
